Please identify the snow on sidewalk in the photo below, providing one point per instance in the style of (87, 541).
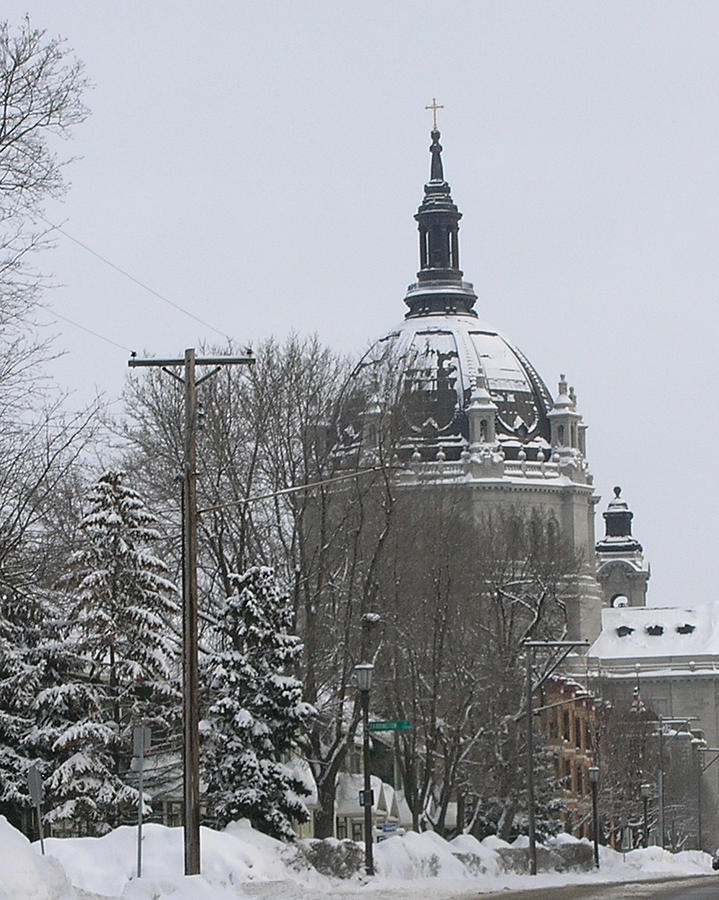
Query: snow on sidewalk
(240, 862)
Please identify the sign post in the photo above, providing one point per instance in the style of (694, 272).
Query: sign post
(141, 737)
(34, 784)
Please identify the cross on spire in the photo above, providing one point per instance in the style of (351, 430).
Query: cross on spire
(434, 107)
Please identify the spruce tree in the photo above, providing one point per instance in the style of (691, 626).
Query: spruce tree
(256, 713)
(121, 605)
(26, 618)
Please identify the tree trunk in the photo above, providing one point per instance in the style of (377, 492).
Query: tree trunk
(325, 812)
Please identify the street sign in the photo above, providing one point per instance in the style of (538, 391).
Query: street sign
(366, 798)
(394, 725)
(141, 738)
(34, 785)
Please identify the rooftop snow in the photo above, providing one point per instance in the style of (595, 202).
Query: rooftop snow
(643, 641)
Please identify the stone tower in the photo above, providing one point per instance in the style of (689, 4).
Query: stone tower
(621, 569)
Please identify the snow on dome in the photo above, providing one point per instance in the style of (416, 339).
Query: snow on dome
(440, 360)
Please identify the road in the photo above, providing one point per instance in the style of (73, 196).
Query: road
(701, 888)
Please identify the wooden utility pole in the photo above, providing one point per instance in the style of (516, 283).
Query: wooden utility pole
(563, 649)
(190, 666)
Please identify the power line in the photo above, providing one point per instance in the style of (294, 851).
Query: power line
(126, 274)
(294, 489)
(90, 331)
(146, 287)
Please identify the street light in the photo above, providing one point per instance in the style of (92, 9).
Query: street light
(646, 790)
(593, 772)
(363, 675)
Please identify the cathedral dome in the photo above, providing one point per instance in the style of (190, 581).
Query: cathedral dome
(443, 354)
(443, 358)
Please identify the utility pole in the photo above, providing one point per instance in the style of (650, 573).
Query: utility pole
(190, 666)
(666, 720)
(563, 649)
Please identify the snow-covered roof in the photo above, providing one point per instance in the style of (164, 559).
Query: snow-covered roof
(659, 634)
(348, 788)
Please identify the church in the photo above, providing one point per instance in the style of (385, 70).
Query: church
(479, 419)
(477, 416)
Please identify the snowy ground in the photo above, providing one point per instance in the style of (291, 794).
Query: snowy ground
(242, 863)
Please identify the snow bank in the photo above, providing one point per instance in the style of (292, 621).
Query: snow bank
(26, 874)
(230, 858)
(240, 862)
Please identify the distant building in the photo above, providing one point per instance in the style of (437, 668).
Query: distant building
(671, 651)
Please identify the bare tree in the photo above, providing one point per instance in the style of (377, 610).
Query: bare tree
(41, 88)
(462, 593)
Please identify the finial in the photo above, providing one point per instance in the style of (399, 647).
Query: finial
(436, 172)
(434, 107)
(617, 491)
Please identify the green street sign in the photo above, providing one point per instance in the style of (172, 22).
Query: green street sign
(390, 726)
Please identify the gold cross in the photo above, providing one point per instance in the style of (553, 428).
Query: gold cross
(434, 107)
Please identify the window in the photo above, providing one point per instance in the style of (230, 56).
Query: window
(565, 725)
(357, 831)
(341, 829)
(355, 761)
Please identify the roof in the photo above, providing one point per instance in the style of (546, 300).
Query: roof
(659, 635)
(442, 358)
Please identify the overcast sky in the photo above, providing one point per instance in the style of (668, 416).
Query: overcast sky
(260, 163)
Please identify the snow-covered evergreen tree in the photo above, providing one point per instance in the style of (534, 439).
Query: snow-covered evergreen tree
(121, 604)
(256, 711)
(28, 621)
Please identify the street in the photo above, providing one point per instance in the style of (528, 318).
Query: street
(701, 888)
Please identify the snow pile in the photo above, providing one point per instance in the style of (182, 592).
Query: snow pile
(240, 862)
(655, 861)
(230, 858)
(26, 874)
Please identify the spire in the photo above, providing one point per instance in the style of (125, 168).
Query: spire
(439, 287)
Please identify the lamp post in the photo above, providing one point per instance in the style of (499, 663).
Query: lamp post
(646, 790)
(363, 674)
(593, 773)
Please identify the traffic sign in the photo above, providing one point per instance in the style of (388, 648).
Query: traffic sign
(393, 725)
(34, 783)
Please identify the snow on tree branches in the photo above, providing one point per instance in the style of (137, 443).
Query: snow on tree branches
(256, 712)
(121, 605)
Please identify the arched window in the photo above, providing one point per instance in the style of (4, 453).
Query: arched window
(560, 435)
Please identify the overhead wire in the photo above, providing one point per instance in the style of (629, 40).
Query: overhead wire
(108, 262)
(128, 275)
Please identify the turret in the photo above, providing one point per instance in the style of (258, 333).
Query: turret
(621, 570)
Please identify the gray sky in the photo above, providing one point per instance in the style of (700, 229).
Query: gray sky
(260, 163)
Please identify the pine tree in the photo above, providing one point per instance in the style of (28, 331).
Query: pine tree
(121, 604)
(21, 677)
(256, 713)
